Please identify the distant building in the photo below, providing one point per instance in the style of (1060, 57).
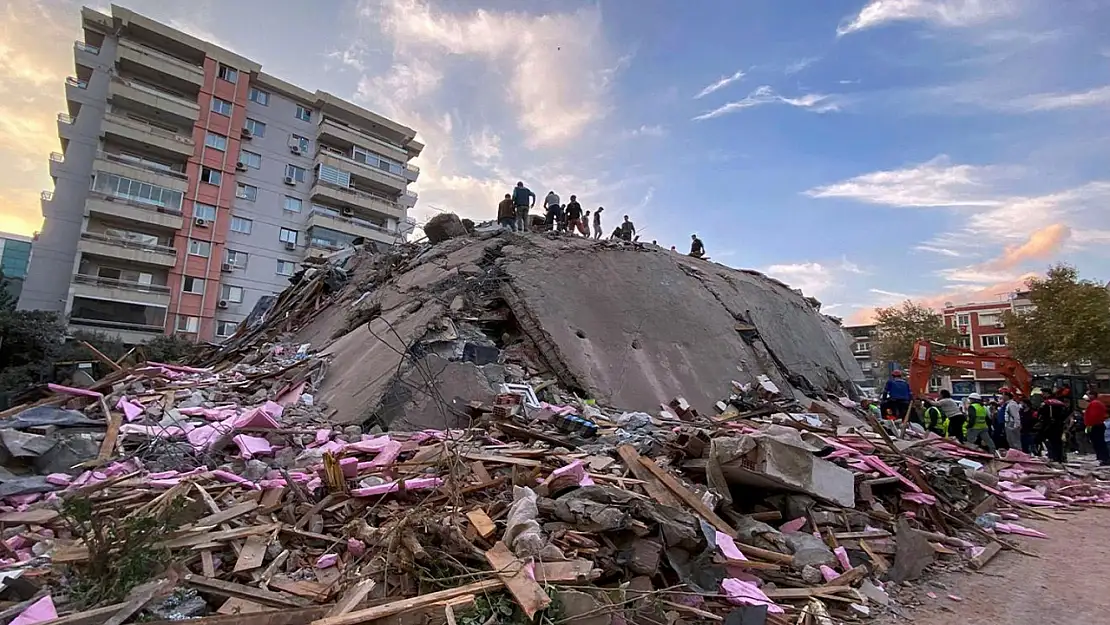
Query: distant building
(15, 255)
(981, 328)
(863, 339)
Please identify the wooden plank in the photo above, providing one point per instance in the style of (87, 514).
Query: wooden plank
(523, 588)
(235, 605)
(404, 605)
(982, 559)
(985, 506)
(250, 593)
(687, 497)
(136, 599)
(880, 563)
(111, 435)
(848, 578)
(522, 462)
(101, 357)
(568, 571)
(298, 616)
(94, 616)
(480, 471)
(217, 537)
(309, 590)
(224, 516)
(207, 564)
(862, 535)
(37, 516)
(252, 555)
(481, 522)
(656, 491)
(352, 597)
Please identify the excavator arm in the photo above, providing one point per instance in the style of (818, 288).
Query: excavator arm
(924, 358)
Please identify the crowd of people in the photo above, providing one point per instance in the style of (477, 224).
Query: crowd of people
(1044, 422)
(514, 213)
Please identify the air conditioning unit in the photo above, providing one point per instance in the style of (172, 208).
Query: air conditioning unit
(247, 133)
(221, 304)
(240, 166)
(289, 245)
(226, 267)
(295, 149)
(290, 180)
(346, 212)
(201, 223)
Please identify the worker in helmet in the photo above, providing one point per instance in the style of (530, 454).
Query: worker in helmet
(978, 421)
(896, 397)
(935, 421)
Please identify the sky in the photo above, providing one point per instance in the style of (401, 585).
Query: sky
(864, 151)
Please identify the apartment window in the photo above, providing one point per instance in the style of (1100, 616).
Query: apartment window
(233, 294)
(964, 342)
(863, 347)
(215, 141)
(241, 225)
(204, 211)
(225, 329)
(192, 285)
(287, 236)
(236, 258)
(989, 319)
(135, 191)
(259, 96)
(188, 324)
(229, 74)
(292, 204)
(211, 176)
(247, 192)
(285, 268)
(301, 142)
(200, 248)
(993, 340)
(223, 107)
(250, 159)
(256, 128)
(963, 320)
(304, 114)
(296, 173)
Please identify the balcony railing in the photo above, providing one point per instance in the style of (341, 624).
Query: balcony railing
(155, 91)
(360, 193)
(360, 133)
(141, 163)
(142, 126)
(138, 327)
(57, 157)
(84, 47)
(65, 118)
(73, 81)
(134, 245)
(351, 220)
(343, 157)
(158, 54)
(113, 283)
(154, 208)
(47, 196)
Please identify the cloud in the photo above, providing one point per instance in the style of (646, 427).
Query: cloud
(893, 294)
(1040, 245)
(958, 294)
(647, 131)
(931, 184)
(815, 102)
(1098, 96)
(799, 65)
(943, 251)
(719, 84)
(944, 13)
(485, 146)
(812, 278)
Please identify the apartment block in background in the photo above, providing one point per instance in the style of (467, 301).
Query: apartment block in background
(864, 340)
(190, 184)
(15, 255)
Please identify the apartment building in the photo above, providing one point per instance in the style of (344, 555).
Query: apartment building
(864, 338)
(15, 255)
(981, 328)
(190, 184)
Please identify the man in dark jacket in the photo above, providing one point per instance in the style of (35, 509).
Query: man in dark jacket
(1053, 421)
(506, 213)
(697, 248)
(896, 397)
(523, 200)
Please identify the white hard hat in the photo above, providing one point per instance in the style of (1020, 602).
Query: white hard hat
(975, 396)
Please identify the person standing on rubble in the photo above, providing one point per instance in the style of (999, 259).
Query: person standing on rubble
(1053, 422)
(1012, 421)
(896, 396)
(506, 213)
(597, 222)
(628, 229)
(551, 207)
(574, 216)
(584, 225)
(978, 420)
(1094, 419)
(697, 248)
(1029, 423)
(953, 415)
(523, 200)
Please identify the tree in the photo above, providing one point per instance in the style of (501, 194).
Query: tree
(1068, 324)
(900, 326)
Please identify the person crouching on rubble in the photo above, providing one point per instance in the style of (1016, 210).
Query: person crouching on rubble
(978, 421)
(868, 405)
(896, 397)
(697, 248)
(935, 421)
(506, 213)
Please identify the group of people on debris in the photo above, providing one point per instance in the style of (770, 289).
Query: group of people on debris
(514, 213)
(1045, 420)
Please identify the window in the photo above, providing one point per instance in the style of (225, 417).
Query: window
(247, 192)
(257, 128)
(964, 342)
(963, 320)
(304, 114)
(301, 142)
(223, 107)
(296, 173)
(188, 324)
(259, 96)
(211, 176)
(292, 204)
(233, 294)
(334, 176)
(193, 285)
(287, 236)
(204, 211)
(285, 268)
(229, 74)
(994, 340)
(250, 159)
(200, 248)
(865, 365)
(136, 191)
(989, 319)
(215, 141)
(241, 225)
(863, 347)
(226, 328)
(236, 258)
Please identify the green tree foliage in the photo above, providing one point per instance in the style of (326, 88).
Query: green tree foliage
(1069, 322)
(900, 326)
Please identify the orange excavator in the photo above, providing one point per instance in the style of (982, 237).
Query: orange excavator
(927, 354)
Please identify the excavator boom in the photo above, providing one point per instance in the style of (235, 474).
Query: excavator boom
(924, 358)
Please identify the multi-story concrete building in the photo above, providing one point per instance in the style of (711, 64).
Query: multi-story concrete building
(15, 255)
(863, 341)
(981, 328)
(190, 184)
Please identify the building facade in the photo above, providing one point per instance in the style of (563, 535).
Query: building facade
(864, 338)
(15, 255)
(982, 329)
(190, 184)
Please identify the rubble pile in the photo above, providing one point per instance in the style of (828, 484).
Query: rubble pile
(292, 477)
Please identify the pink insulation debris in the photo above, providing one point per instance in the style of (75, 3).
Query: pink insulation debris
(251, 446)
(327, 560)
(392, 487)
(356, 547)
(387, 455)
(828, 573)
(1014, 528)
(323, 435)
(181, 368)
(153, 431)
(131, 410)
(842, 558)
(793, 526)
(920, 498)
(576, 469)
(38, 612)
(369, 445)
(59, 479)
(227, 476)
(69, 390)
(740, 592)
(728, 547)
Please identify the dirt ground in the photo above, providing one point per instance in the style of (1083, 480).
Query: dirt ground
(1065, 585)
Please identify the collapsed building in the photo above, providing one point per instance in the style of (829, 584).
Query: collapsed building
(629, 325)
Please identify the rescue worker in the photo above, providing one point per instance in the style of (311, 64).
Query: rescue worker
(953, 415)
(1011, 411)
(1053, 419)
(935, 421)
(978, 421)
(896, 397)
(697, 248)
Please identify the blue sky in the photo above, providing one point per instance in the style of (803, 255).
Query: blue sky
(864, 151)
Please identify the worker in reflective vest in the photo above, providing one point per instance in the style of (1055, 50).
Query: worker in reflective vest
(978, 418)
(935, 420)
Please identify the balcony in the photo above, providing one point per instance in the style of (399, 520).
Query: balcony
(140, 170)
(123, 249)
(386, 180)
(57, 164)
(76, 90)
(351, 225)
(152, 102)
(132, 322)
(348, 137)
(65, 126)
(130, 131)
(356, 199)
(135, 56)
(96, 287)
(105, 205)
(85, 55)
(407, 199)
